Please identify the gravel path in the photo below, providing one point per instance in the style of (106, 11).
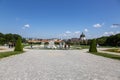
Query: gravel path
(59, 65)
(5, 49)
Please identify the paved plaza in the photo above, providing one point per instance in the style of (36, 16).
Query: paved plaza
(59, 65)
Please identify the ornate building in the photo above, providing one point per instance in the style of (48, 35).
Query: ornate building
(83, 39)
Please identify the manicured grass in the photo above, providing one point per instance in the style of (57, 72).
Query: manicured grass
(85, 46)
(80, 47)
(24, 45)
(10, 53)
(113, 56)
(113, 50)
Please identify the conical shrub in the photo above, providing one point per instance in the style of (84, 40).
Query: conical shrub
(18, 46)
(93, 46)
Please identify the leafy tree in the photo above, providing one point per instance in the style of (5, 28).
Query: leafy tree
(111, 40)
(15, 37)
(6, 38)
(1, 35)
(9, 37)
(93, 46)
(24, 40)
(102, 40)
(46, 43)
(56, 43)
(117, 39)
(18, 46)
(2, 39)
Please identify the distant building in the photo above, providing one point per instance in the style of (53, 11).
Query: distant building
(43, 40)
(82, 36)
(83, 39)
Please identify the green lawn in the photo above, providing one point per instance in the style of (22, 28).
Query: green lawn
(113, 56)
(80, 47)
(10, 53)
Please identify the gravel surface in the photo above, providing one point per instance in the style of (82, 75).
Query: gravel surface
(5, 49)
(59, 65)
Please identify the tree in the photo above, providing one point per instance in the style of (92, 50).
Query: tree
(56, 43)
(102, 40)
(18, 46)
(2, 39)
(6, 38)
(93, 46)
(117, 40)
(46, 43)
(15, 37)
(9, 37)
(1, 35)
(113, 40)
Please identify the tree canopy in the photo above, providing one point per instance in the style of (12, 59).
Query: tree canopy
(113, 40)
(6, 38)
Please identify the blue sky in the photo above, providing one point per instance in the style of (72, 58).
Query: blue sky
(60, 18)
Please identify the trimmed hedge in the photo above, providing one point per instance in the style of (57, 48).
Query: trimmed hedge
(18, 46)
(93, 46)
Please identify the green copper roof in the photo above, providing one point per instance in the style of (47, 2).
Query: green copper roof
(82, 35)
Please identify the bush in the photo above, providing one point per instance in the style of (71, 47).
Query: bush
(93, 46)
(18, 46)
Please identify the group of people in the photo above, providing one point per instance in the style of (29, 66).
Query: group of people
(11, 45)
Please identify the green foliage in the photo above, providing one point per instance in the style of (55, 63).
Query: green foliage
(113, 40)
(2, 39)
(102, 40)
(18, 46)
(93, 46)
(46, 43)
(9, 37)
(6, 54)
(72, 42)
(113, 56)
(6, 38)
(56, 43)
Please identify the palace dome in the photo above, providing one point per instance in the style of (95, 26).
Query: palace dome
(82, 35)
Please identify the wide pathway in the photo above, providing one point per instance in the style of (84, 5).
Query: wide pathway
(59, 65)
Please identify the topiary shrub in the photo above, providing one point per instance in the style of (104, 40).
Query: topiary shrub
(18, 46)
(93, 46)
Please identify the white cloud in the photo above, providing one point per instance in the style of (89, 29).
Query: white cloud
(111, 33)
(115, 26)
(98, 25)
(77, 32)
(26, 26)
(108, 33)
(86, 30)
(67, 32)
